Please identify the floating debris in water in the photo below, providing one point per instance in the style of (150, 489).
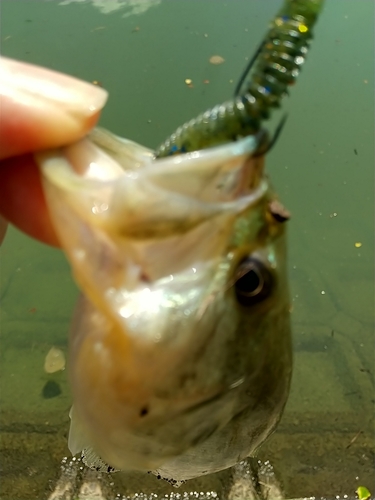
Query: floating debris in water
(216, 60)
(188, 81)
(358, 244)
(51, 390)
(55, 360)
(363, 493)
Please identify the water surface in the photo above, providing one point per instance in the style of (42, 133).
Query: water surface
(322, 167)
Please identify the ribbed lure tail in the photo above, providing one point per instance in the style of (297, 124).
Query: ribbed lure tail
(277, 66)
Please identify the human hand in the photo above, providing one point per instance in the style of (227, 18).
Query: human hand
(39, 109)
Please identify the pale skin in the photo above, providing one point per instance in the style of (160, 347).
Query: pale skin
(39, 109)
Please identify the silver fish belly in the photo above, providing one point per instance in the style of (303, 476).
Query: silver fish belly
(180, 351)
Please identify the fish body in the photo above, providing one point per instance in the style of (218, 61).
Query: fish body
(180, 355)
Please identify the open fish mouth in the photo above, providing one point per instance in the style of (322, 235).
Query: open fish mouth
(121, 186)
(133, 226)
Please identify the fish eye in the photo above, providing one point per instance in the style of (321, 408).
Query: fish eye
(253, 282)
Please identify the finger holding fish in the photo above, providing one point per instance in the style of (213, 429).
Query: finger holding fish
(40, 109)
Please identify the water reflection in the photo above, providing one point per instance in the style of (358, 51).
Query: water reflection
(131, 7)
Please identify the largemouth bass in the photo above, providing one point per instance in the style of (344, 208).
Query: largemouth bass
(180, 351)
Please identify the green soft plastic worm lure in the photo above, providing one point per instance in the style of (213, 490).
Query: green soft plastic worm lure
(277, 65)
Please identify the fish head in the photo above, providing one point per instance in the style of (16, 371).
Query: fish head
(183, 323)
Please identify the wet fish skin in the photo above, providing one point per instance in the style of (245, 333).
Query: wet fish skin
(173, 368)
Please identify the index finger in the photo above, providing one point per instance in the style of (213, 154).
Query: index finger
(42, 109)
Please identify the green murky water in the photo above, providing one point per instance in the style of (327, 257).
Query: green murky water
(322, 166)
